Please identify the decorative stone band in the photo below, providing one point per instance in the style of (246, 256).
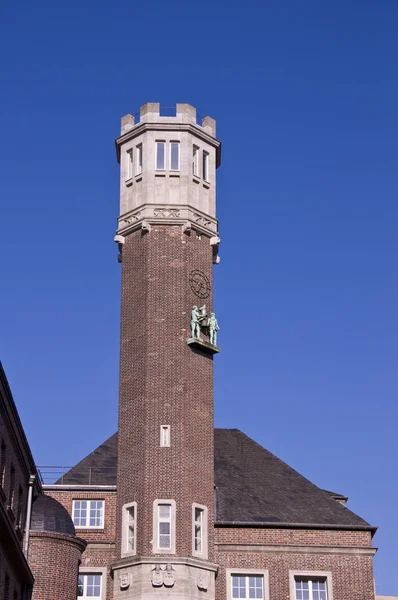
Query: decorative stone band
(171, 214)
(296, 549)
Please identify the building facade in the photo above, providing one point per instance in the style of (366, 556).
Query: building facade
(169, 507)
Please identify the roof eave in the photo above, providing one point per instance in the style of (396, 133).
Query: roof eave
(277, 525)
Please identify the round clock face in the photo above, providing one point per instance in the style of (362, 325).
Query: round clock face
(199, 284)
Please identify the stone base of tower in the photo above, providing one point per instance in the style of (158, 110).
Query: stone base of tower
(162, 578)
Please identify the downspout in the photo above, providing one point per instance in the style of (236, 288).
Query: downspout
(28, 514)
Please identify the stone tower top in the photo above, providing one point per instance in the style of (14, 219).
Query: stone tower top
(185, 113)
(168, 170)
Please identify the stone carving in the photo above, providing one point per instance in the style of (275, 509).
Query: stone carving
(202, 580)
(200, 319)
(157, 576)
(163, 576)
(195, 323)
(202, 220)
(169, 576)
(166, 213)
(124, 581)
(132, 218)
(213, 328)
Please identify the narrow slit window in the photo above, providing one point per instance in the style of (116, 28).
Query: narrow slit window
(160, 155)
(129, 155)
(139, 160)
(195, 161)
(174, 156)
(198, 534)
(3, 452)
(199, 530)
(205, 165)
(165, 435)
(11, 489)
(129, 528)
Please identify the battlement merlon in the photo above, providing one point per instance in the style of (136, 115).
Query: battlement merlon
(185, 118)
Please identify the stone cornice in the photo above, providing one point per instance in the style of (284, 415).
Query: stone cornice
(167, 214)
(196, 130)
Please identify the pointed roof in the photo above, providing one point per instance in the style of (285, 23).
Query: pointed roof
(252, 485)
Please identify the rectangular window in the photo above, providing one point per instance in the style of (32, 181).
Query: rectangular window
(195, 161)
(199, 530)
(139, 160)
(88, 513)
(129, 528)
(307, 588)
(129, 156)
(11, 489)
(19, 507)
(174, 156)
(164, 526)
(247, 586)
(165, 435)
(89, 585)
(3, 452)
(205, 173)
(160, 155)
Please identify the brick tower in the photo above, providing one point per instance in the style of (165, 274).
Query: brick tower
(168, 242)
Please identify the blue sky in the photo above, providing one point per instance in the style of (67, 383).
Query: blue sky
(305, 95)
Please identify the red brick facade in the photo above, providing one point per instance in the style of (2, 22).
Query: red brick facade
(54, 560)
(164, 382)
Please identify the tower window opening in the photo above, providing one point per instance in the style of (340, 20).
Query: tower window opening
(165, 435)
(129, 528)
(195, 161)
(139, 160)
(174, 156)
(199, 530)
(205, 166)
(160, 155)
(164, 526)
(129, 155)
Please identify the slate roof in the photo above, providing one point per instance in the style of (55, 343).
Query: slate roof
(252, 485)
(49, 515)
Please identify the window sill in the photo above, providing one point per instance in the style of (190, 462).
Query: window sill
(129, 182)
(174, 174)
(206, 184)
(160, 174)
(196, 178)
(88, 528)
(138, 177)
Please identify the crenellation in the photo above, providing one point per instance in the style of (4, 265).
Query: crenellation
(127, 123)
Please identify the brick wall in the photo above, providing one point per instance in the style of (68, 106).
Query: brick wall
(164, 382)
(346, 554)
(54, 560)
(105, 534)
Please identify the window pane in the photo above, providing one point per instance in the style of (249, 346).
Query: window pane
(164, 541)
(198, 515)
(164, 511)
(195, 156)
(174, 156)
(160, 155)
(205, 165)
(80, 585)
(139, 159)
(164, 527)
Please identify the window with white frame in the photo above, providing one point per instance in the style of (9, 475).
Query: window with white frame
(89, 585)
(310, 588)
(165, 435)
(139, 160)
(174, 156)
(164, 526)
(247, 586)
(205, 166)
(160, 156)
(199, 530)
(129, 158)
(129, 534)
(88, 513)
(195, 161)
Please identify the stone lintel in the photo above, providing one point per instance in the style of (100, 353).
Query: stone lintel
(200, 344)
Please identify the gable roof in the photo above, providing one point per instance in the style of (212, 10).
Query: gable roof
(252, 485)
